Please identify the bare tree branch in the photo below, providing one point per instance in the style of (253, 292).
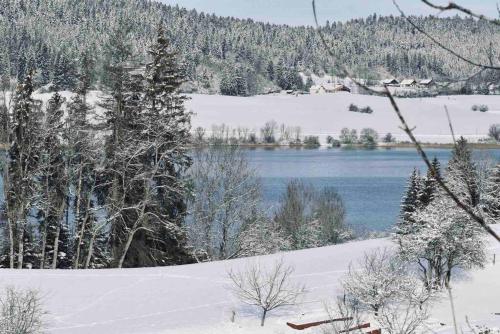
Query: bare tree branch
(441, 45)
(454, 6)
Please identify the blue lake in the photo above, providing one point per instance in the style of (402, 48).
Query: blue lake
(371, 182)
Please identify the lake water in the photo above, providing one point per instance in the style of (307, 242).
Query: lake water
(371, 182)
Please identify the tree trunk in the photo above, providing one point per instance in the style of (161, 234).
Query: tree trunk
(44, 245)
(448, 287)
(9, 217)
(263, 318)
(77, 219)
(58, 233)
(91, 250)
(125, 248)
(11, 241)
(20, 243)
(56, 246)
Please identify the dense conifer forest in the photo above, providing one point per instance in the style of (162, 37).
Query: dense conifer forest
(228, 55)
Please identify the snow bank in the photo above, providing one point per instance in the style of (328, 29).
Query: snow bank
(194, 299)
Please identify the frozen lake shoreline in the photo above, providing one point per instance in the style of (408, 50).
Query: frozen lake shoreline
(324, 115)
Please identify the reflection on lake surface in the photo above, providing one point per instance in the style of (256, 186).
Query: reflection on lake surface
(371, 182)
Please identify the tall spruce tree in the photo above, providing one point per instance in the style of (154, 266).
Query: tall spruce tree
(410, 204)
(156, 236)
(430, 184)
(462, 174)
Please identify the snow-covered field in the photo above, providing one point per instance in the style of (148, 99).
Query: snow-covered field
(327, 114)
(324, 115)
(194, 299)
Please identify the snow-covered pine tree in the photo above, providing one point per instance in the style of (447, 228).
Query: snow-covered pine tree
(410, 204)
(124, 85)
(448, 239)
(491, 196)
(156, 236)
(461, 174)
(430, 185)
(64, 73)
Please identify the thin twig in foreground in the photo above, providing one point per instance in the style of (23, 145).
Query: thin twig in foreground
(454, 6)
(441, 45)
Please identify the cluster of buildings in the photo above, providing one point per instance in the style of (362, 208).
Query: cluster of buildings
(409, 83)
(329, 88)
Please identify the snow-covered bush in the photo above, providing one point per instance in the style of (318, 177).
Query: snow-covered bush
(353, 107)
(389, 138)
(348, 137)
(262, 237)
(368, 137)
(311, 142)
(378, 280)
(311, 217)
(483, 108)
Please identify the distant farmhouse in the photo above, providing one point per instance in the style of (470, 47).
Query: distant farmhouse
(426, 83)
(494, 89)
(409, 83)
(328, 89)
(390, 82)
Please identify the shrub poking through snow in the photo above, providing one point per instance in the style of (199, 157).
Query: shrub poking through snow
(481, 108)
(354, 108)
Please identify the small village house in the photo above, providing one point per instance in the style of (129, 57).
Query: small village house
(328, 89)
(390, 82)
(427, 83)
(408, 83)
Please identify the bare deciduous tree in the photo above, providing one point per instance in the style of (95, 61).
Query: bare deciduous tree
(226, 200)
(21, 312)
(268, 132)
(494, 132)
(403, 318)
(266, 288)
(344, 315)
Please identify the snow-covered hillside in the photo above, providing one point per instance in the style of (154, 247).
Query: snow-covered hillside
(327, 114)
(194, 298)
